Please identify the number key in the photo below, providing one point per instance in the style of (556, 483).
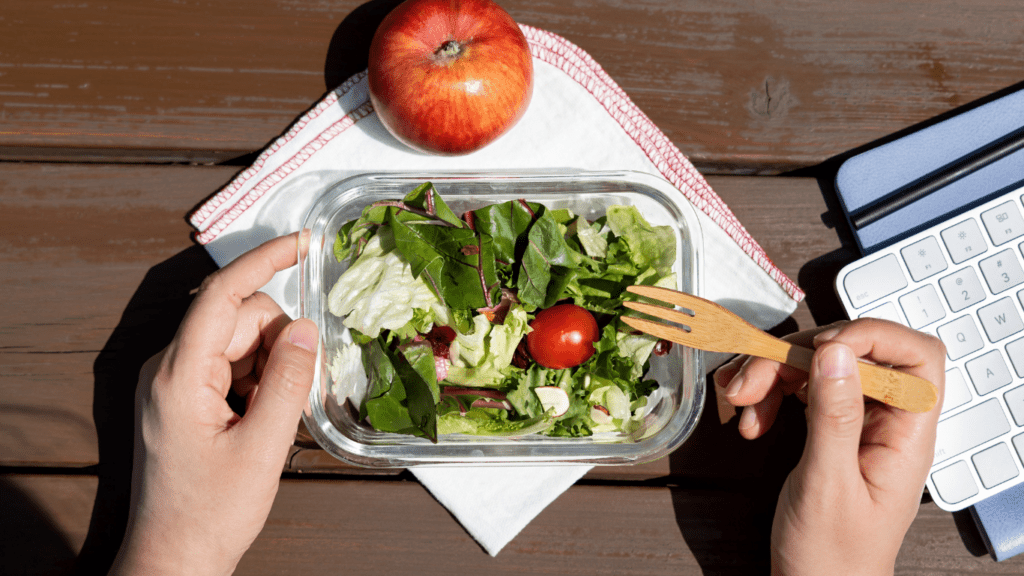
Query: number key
(1002, 271)
(922, 306)
(962, 289)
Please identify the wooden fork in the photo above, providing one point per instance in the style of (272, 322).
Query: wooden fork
(713, 328)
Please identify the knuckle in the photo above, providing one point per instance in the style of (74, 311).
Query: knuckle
(258, 298)
(291, 377)
(843, 414)
(210, 282)
(937, 346)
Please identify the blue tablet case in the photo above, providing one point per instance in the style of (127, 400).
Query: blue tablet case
(873, 174)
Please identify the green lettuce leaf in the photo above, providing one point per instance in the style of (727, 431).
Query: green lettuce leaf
(379, 292)
(648, 245)
(481, 422)
(482, 356)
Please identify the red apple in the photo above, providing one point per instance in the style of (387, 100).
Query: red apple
(449, 76)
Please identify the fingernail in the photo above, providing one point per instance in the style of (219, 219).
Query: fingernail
(837, 362)
(304, 334)
(747, 419)
(825, 335)
(735, 386)
(719, 377)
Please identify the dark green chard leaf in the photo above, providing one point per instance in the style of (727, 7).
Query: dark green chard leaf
(505, 223)
(456, 263)
(403, 389)
(384, 406)
(545, 256)
(425, 197)
(353, 235)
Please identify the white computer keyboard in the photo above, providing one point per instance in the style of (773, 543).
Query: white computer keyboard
(963, 281)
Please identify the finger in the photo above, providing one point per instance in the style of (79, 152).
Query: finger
(758, 418)
(907, 350)
(209, 325)
(258, 323)
(282, 393)
(885, 342)
(757, 377)
(835, 413)
(726, 372)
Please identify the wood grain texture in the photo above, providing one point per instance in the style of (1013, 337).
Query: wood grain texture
(96, 265)
(396, 527)
(739, 86)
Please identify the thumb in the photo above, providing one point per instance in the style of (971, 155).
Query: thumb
(284, 386)
(835, 412)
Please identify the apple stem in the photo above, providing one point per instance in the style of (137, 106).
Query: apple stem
(449, 50)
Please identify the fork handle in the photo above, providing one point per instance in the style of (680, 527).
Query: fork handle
(884, 384)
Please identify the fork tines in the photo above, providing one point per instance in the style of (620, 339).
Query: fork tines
(666, 295)
(681, 317)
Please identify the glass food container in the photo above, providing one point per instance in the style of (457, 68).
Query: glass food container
(332, 414)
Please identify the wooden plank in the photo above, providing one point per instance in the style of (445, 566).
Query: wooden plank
(740, 86)
(84, 271)
(97, 267)
(396, 527)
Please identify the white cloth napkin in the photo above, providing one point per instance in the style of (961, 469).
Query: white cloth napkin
(578, 118)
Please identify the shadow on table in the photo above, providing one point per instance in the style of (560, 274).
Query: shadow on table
(29, 541)
(146, 326)
(349, 50)
(729, 486)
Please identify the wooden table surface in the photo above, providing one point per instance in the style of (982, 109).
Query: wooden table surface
(119, 116)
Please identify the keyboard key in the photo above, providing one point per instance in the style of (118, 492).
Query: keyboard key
(874, 280)
(1000, 319)
(1003, 222)
(1015, 401)
(969, 429)
(924, 258)
(886, 311)
(964, 241)
(1015, 350)
(988, 372)
(922, 306)
(1002, 271)
(962, 289)
(961, 337)
(955, 483)
(1018, 445)
(995, 465)
(957, 393)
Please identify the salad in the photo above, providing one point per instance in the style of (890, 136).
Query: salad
(500, 321)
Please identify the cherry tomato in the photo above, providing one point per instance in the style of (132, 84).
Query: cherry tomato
(562, 336)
